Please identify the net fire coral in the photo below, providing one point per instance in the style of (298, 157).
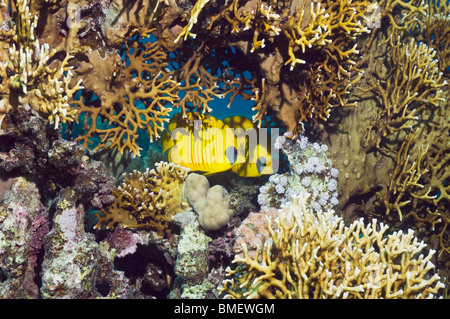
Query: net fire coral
(147, 200)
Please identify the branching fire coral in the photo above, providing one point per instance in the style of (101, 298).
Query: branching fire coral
(139, 99)
(317, 256)
(137, 94)
(33, 80)
(413, 84)
(325, 22)
(148, 83)
(434, 29)
(147, 200)
(321, 51)
(412, 94)
(385, 148)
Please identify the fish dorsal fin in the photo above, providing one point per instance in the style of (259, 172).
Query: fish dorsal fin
(239, 121)
(174, 122)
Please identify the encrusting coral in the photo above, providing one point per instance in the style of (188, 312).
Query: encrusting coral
(314, 255)
(191, 266)
(253, 232)
(23, 225)
(147, 200)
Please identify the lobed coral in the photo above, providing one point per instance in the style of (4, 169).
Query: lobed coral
(147, 200)
(211, 204)
(316, 256)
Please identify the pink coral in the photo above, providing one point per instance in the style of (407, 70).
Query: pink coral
(40, 228)
(124, 241)
(254, 231)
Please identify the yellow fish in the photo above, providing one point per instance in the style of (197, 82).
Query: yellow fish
(255, 145)
(208, 146)
(213, 146)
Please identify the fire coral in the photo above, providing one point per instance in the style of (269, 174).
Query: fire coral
(147, 200)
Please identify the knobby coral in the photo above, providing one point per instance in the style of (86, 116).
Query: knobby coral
(316, 256)
(211, 204)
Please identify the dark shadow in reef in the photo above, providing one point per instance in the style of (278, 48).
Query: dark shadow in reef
(135, 266)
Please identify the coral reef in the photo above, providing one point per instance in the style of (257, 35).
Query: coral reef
(385, 148)
(75, 264)
(310, 88)
(151, 76)
(314, 255)
(90, 207)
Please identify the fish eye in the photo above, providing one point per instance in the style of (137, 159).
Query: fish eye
(261, 163)
(231, 153)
